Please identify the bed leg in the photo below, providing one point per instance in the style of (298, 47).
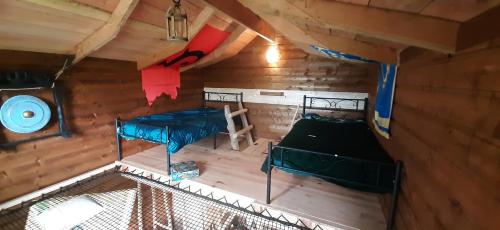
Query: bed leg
(269, 169)
(168, 161)
(118, 139)
(168, 153)
(395, 193)
(215, 141)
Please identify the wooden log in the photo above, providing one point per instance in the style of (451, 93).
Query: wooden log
(245, 131)
(236, 113)
(231, 128)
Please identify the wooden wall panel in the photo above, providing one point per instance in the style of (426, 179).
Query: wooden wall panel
(445, 114)
(96, 92)
(296, 70)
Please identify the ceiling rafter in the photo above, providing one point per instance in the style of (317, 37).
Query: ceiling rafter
(303, 39)
(107, 32)
(238, 39)
(174, 47)
(479, 29)
(244, 16)
(400, 27)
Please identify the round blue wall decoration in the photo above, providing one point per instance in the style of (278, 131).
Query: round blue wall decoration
(24, 114)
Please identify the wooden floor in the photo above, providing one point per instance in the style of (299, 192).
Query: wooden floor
(239, 172)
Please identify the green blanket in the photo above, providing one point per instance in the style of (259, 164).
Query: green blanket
(342, 137)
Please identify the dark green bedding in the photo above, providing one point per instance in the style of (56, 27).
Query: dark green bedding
(347, 138)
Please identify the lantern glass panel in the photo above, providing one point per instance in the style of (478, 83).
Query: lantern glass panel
(176, 21)
(179, 27)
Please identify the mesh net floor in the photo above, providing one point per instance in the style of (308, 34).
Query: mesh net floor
(129, 201)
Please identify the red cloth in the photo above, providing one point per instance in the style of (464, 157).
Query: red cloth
(164, 78)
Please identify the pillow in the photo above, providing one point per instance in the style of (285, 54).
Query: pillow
(68, 214)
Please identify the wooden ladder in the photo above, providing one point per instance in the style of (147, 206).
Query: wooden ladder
(233, 134)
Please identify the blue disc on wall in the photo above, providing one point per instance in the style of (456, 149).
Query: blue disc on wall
(24, 114)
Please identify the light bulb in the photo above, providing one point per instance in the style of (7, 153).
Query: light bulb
(272, 54)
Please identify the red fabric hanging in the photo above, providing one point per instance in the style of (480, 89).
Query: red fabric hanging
(157, 80)
(164, 78)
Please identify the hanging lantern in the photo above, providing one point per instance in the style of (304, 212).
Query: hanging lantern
(176, 19)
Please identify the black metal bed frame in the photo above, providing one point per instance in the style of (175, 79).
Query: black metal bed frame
(334, 104)
(206, 97)
(22, 80)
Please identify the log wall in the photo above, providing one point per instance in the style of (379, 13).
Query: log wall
(296, 70)
(446, 128)
(96, 92)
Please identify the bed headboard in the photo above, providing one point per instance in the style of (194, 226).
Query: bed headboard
(336, 104)
(221, 97)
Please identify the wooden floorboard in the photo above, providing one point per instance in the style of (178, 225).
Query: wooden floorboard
(239, 172)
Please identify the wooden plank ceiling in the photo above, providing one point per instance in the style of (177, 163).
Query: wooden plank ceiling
(134, 30)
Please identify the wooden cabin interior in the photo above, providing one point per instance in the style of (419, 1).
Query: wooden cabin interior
(101, 67)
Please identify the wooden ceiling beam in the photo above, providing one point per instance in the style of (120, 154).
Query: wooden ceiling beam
(238, 39)
(244, 16)
(400, 27)
(174, 47)
(301, 37)
(479, 29)
(107, 32)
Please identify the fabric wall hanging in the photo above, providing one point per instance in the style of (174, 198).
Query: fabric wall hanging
(385, 95)
(342, 56)
(164, 78)
(385, 88)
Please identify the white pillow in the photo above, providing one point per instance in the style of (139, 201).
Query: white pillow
(68, 214)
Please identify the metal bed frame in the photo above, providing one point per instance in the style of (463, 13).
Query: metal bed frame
(207, 97)
(338, 104)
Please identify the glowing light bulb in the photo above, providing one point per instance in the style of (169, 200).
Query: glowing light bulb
(272, 54)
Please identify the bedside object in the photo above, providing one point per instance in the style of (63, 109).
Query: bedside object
(184, 170)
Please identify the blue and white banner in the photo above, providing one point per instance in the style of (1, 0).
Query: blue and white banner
(342, 56)
(385, 88)
(385, 95)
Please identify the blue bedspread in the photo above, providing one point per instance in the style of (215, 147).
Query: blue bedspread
(185, 127)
